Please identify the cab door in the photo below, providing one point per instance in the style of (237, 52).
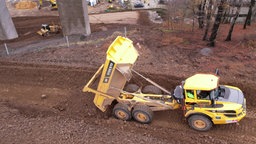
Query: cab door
(202, 97)
(190, 98)
(193, 97)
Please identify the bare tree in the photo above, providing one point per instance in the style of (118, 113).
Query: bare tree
(217, 22)
(171, 11)
(197, 7)
(249, 15)
(191, 5)
(208, 19)
(201, 13)
(225, 15)
(233, 22)
(176, 11)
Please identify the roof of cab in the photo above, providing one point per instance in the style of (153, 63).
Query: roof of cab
(202, 82)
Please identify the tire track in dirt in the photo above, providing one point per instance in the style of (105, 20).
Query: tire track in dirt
(80, 106)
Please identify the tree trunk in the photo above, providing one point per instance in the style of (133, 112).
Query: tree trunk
(193, 24)
(203, 11)
(200, 16)
(232, 11)
(224, 17)
(233, 23)
(216, 24)
(208, 21)
(249, 15)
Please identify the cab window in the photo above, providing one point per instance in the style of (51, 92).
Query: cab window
(190, 94)
(203, 95)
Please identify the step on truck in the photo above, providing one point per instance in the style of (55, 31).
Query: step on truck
(203, 100)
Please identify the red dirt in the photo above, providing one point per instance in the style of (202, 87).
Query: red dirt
(66, 115)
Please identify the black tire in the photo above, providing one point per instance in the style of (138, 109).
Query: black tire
(199, 122)
(142, 114)
(121, 111)
(131, 88)
(151, 89)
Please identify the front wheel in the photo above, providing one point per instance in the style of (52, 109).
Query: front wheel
(199, 122)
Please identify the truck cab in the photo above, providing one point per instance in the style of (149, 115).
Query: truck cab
(211, 102)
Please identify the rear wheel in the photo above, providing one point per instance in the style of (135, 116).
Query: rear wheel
(199, 122)
(151, 89)
(122, 112)
(131, 88)
(142, 114)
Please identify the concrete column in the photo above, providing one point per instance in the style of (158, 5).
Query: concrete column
(74, 17)
(7, 28)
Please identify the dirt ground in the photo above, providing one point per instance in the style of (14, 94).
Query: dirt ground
(41, 99)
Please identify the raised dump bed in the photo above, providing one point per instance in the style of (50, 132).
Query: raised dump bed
(116, 71)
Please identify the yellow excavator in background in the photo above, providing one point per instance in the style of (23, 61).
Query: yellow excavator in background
(48, 29)
(52, 2)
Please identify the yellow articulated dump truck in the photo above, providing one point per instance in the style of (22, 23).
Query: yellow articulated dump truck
(200, 96)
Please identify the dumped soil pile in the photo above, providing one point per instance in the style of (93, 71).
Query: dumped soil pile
(41, 99)
(25, 5)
